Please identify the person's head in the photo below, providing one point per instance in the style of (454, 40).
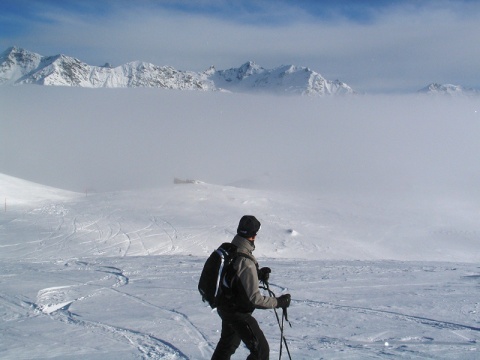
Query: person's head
(248, 227)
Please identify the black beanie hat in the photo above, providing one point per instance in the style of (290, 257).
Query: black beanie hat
(248, 226)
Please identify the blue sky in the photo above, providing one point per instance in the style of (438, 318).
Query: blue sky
(374, 46)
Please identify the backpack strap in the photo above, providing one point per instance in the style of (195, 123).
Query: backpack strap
(230, 274)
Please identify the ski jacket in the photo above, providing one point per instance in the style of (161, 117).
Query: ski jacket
(246, 295)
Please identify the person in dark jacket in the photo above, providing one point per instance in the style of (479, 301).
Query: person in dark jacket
(235, 310)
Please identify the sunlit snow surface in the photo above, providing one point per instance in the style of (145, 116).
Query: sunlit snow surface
(114, 275)
(148, 307)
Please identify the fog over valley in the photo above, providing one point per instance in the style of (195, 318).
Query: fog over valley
(114, 139)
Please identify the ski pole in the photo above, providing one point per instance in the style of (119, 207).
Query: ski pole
(284, 316)
(282, 337)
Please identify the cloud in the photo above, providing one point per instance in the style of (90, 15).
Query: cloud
(110, 139)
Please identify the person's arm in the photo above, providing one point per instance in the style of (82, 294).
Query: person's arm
(248, 276)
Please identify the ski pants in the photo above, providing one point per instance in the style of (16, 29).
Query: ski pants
(237, 327)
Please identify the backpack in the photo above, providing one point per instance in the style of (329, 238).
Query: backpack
(213, 274)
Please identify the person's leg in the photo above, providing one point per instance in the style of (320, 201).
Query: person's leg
(229, 342)
(253, 337)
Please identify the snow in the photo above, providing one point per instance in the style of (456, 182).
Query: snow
(114, 275)
(26, 192)
(449, 90)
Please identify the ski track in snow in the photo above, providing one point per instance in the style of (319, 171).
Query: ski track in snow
(149, 346)
(190, 329)
(53, 302)
(395, 315)
(173, 237)
(60, 303)
(97, 234)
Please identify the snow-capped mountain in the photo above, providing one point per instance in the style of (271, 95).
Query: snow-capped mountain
(284, 79)
(19, 66)
(15, 63)
(448, 89)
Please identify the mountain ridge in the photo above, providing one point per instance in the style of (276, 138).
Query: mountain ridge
(19, 66)
(449, 90)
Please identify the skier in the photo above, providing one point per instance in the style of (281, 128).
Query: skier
(235, 309)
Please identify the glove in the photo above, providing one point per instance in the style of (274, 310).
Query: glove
(283, 301)
(264, 274)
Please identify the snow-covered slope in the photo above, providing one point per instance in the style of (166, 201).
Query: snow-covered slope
(19, 66)
(16, 192)
(114, 275)
(149, 308)
(192, 219)
(449, 89)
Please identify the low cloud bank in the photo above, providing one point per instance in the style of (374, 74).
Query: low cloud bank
(112, 139)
